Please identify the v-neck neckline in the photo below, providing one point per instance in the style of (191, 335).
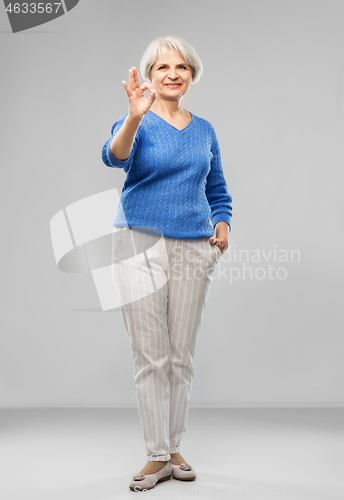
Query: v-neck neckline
(175, 128)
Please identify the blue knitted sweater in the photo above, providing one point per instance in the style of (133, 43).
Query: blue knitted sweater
(174, 181)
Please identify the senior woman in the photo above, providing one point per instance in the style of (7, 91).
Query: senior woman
(176, 207)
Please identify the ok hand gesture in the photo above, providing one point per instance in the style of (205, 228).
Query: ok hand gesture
(138, 104)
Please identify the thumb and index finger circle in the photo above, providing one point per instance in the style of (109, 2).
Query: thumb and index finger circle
(147, 86)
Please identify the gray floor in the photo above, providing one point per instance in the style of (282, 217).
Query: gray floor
(91, 454)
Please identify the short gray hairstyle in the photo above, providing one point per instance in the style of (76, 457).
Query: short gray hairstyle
(159, 45)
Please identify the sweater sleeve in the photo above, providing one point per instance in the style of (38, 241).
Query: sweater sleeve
(111, 160)
(220, 201)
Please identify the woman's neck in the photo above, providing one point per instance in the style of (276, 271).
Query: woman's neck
(169, 108)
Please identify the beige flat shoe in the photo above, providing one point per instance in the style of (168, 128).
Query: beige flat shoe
(143, 481)
(183, 472)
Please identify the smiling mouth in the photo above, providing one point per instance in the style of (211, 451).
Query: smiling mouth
(173, 85)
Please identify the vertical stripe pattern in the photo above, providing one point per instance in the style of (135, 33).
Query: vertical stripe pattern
(164, 284)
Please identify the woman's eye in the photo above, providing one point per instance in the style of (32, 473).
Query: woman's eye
(181, 66)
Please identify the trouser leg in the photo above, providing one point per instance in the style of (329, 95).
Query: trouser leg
(192, 268)
(162, 306)
(146, 323)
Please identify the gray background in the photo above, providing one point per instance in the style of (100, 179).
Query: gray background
(273, 89)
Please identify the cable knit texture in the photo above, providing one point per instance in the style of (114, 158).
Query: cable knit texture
(174, 180)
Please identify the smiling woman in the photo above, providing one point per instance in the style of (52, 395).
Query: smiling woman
(160, 45)
(174, 186)
(171, 77)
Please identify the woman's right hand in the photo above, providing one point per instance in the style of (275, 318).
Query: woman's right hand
(138, 103)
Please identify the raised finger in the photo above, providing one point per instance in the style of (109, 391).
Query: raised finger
(132, 80)
(127, 88)
(136, 77)
(132, 84)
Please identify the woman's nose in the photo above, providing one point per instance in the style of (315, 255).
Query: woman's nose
(173, 75)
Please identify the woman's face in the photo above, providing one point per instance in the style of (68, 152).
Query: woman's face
(170, 75)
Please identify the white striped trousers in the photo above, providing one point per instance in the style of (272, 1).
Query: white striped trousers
(163, 284)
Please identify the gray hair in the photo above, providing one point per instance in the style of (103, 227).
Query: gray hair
(159, 45)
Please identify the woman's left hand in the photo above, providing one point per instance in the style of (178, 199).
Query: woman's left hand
(220, 239)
